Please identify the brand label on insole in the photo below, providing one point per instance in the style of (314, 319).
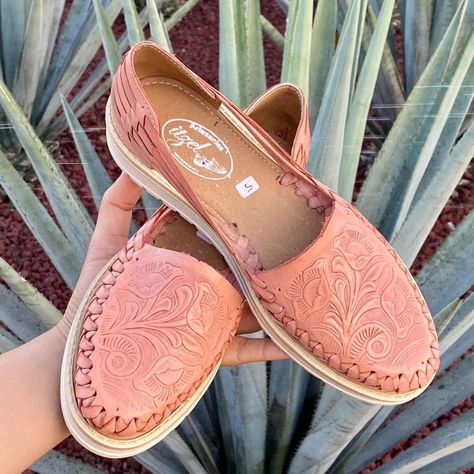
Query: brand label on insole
(198, 149)
(247, 187)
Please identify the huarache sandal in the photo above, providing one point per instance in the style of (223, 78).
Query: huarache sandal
(148, 338)
(149, 335)
(322, 282)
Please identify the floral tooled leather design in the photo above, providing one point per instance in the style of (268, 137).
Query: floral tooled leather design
(355, 305)
(150, 339)
(353, 301)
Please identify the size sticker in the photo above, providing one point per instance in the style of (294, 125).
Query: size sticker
(247, 187)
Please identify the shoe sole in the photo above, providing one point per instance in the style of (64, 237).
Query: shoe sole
(159, 187)
(90, 438)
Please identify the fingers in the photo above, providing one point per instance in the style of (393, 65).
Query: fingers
(115, 213)
(244, 350)
(248, 323)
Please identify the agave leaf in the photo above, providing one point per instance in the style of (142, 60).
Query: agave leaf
(397, 213)
(277, 38)
(180, 13)
(443, 12)
(328, 134)
(451, 438)
(95, 79)
(337, 420)
(60, 124)
(359, 108)
(93, 88)
(297, 50)
(284, 5)
(21, 320)
(8, 341)
(230, 49)
(357, 48)
(375, 6)
(452, 464)
(94, 97)
(323, 40)
(288, 383)
(356, 456)
(97, 177)
(156, 463)
(40, 223)
(68, 42)
(217, 398)
(458, 336)
(134, 30)
(35, 300)
(76, 67)
(467, 24)
(255, 64)
(444, 277)
(445, 393)
(443, 180)
(241, 66)
(416, 39)
(445, 316)
(158, 30)
(406, 147)
(109, 43)
(241, 403)
(205, 422)
(41, 27)
(73, 218)
(452, 130)
(56, 462)
(389, 95)
(174, 443)
(13, 16)
(194, 436)
(171, 455)
(347, 462)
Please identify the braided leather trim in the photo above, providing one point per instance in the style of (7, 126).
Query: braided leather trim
(396, 383)
(96, 415)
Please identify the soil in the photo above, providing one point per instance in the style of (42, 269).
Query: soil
(196, 43)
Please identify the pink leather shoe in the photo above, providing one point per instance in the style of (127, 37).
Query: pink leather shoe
(322, 282)
(150, 334)
(148, 338)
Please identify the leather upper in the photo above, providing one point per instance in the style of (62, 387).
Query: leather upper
(155, 328)
(347, 297)
(352, 302)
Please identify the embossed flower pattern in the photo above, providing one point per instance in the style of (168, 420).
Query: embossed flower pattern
(355, 304)
(155, 327)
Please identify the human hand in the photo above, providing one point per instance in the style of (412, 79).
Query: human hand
(111, 235)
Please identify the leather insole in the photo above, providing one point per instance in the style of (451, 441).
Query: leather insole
(215, 158)
(181, 236)
(279, 125)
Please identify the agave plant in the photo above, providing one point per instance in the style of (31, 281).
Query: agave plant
(415, 124)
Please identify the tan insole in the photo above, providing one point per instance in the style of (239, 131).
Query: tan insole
(181, 236)
(278, 224)
(279, 125)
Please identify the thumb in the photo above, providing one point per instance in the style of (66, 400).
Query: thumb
(243, 350)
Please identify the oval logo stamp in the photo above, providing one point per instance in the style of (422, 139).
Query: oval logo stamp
(198, 149)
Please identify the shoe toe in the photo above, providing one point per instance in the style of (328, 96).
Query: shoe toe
(150, 339)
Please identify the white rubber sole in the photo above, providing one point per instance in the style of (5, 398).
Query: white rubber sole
(159, 187)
